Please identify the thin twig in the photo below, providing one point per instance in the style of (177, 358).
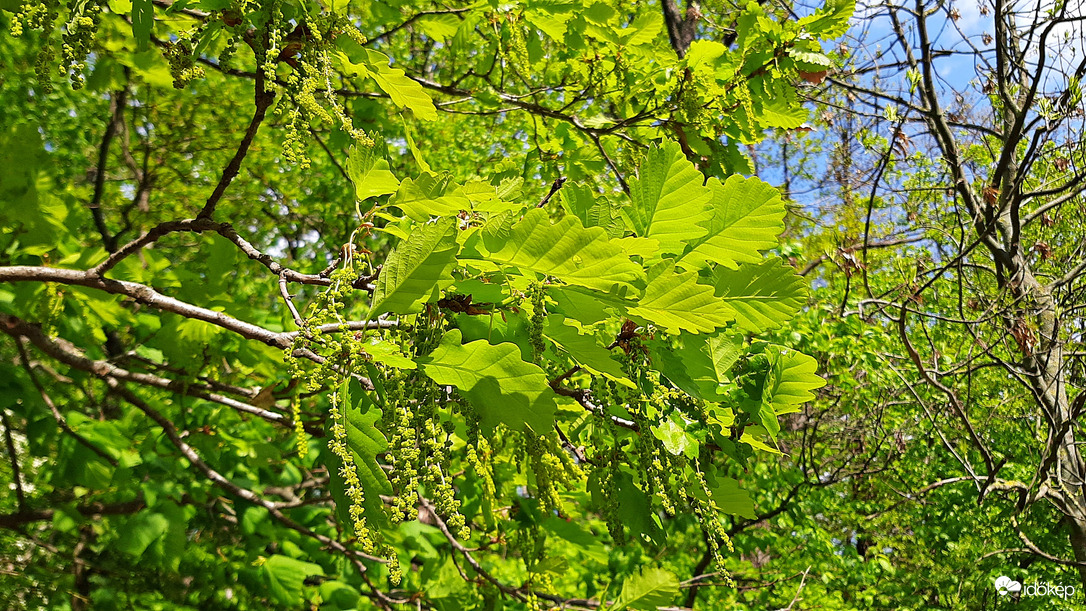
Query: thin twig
(16, 476)
(221, 481)
(61, 421)
(555, 186)
(263, 100)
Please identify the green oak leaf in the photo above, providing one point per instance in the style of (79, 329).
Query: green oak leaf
(594, 210)
(286, 578)
(417, 269)
(676, 302)
(140, 531)
(585, 350)
(143, 21)
(370, 173)
(387, 353)
(831, 20)
(791, 379)
(585, 307)
(675, 438)
(405, 92)
(727, 495)
(646, 590)
(781, 114)
(700, 365)
(496, 380)
(565, 250)
(429, 195)
(634, 509)
(762, 296)
(748, 215)
(668, 201)
(366, 443)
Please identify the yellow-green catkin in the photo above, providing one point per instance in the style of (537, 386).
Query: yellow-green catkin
(349, 471)
(301, 437)
(52, 308)
(708, 515)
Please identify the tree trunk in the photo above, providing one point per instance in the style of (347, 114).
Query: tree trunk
(1078, 546)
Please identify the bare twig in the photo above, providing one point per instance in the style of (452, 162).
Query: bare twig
(16, 476)
(62, 422)
(263, 100)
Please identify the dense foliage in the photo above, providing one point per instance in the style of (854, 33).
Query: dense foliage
(359, 305)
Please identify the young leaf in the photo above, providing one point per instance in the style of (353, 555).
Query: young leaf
(762, 296)
(790, 381)
(498, 383)
(647, 590)
(675, 439)
(286, 579)
(634, 508)
(703, 363)
(370, 174)
(366, 443)
(566, 250)
(411, 146)
(143, 20)
(593, 210)
(404, 92)
(585, 350)
(831, 20)
(338, 596)
(388, 353)
(417, 269)
(140, 531)
(748, 215)
(727, 495)
(676, 302)
(506, 327)
(430, 195)
(782, 114)
(585, 307)
(668, 200)
(704, 53)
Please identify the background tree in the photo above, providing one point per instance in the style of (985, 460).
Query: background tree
(485, 324)
(945, 192)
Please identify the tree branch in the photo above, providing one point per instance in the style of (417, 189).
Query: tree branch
(16, 477)
(263, 100)
(222, 482)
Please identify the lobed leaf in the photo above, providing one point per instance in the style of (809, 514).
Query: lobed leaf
(648, 589)
(668, 200)
(831, 20)
(701, 365)
(370, 174)
(499, 384)
(762, 296)
(366, 442)
(565, 250)
(417, 269)
(729, 497)
(585, 350)
(430, 195)
(748, 215)
(790, 382)
(286, 578)
(405, 92)
(676, 302)
(593, 210)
